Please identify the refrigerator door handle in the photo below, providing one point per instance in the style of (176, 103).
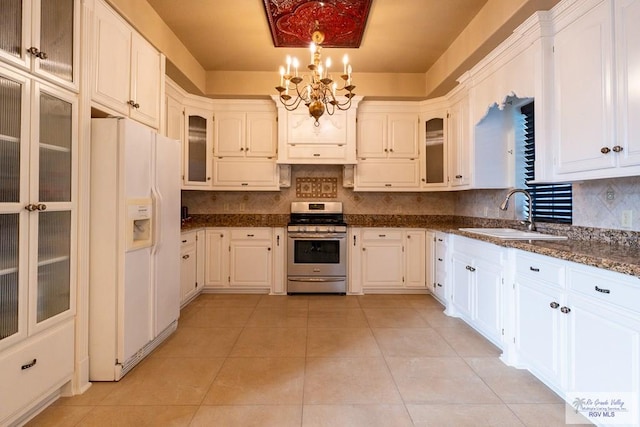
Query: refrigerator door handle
(155, 218)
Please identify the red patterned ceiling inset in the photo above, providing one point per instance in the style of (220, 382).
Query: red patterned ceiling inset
(293, 21)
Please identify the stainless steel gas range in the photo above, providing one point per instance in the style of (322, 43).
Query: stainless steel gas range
(316, 249)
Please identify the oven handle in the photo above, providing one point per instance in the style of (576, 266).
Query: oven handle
(316, 279)
(318, 235)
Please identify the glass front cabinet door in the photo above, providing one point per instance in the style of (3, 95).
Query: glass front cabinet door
(434, 173)
(41, 36)
(198, 156)
(37, 205)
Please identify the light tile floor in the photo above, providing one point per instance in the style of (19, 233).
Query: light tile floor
(316, 360)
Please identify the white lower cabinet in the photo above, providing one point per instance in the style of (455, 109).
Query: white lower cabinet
(241, 258)
(602, 315)
(191, 265)
(35, 369)
(391, 259)
(476, 286)
(539, 293)
(251, 258)
(577, 329)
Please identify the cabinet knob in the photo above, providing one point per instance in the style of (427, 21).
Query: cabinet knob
(554, 305)
(391, 150)
(565, 310)
(133, 103)
(185, 257)
(268, 249)
(458, 176)
(386, 151)
(241, 149)
(35, 52)
(31, 207)
(41, 207)
(438, 285)
(617, 148)
(468, 267)
(208, 178)
(605, 150)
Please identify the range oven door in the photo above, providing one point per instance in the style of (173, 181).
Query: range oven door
(317, 255)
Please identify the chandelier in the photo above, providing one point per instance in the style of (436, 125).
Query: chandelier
(318, 91)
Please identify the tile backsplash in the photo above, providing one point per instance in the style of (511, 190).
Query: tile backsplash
(596, 203)
(356, 203)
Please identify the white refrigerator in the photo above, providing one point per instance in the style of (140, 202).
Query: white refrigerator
(134, 277)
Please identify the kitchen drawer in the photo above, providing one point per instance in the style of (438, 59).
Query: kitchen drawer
(539, 267)
(252, 233)
(37, 366)
(188, 238)
(317, 151)
(382, 234)
(606, 286)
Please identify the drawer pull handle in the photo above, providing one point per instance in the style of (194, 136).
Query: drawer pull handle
(250, 235)
(439, 285)
(382, 235)
(185, 257)
(29, 365)
(565, 310)
(554, 305)
(534, 269)
(602, 290)
(468, 267)
(439, 240)
(440, 259)
(184, 241)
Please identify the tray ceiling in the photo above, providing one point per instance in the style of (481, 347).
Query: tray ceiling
(293, 21)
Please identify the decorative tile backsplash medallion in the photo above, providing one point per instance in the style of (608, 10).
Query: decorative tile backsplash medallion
(316, 188)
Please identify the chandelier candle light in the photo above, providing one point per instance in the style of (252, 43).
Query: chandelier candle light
(319, 93)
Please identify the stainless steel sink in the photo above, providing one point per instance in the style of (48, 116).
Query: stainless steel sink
(512, 234)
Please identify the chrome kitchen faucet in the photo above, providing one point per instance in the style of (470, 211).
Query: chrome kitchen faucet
(529, 221)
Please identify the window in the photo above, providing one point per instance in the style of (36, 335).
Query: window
(551, 202)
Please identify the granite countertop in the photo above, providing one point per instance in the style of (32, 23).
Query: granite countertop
(613, 250)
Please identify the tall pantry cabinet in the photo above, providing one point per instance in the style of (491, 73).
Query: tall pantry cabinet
(38, 187)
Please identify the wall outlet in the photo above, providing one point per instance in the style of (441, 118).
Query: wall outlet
(626, 221)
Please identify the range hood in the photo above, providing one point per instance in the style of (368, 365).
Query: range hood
(333, 141)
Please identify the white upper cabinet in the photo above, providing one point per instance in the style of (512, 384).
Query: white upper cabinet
(41, 36)
(595, 57)
(240, 134)
(582, 88)
(244, 148)
(198, 149)
(387, 135)
(129, 71)
(627, 17)
(331, 141)
(459, 143)
(388, 148)
(434, 136)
